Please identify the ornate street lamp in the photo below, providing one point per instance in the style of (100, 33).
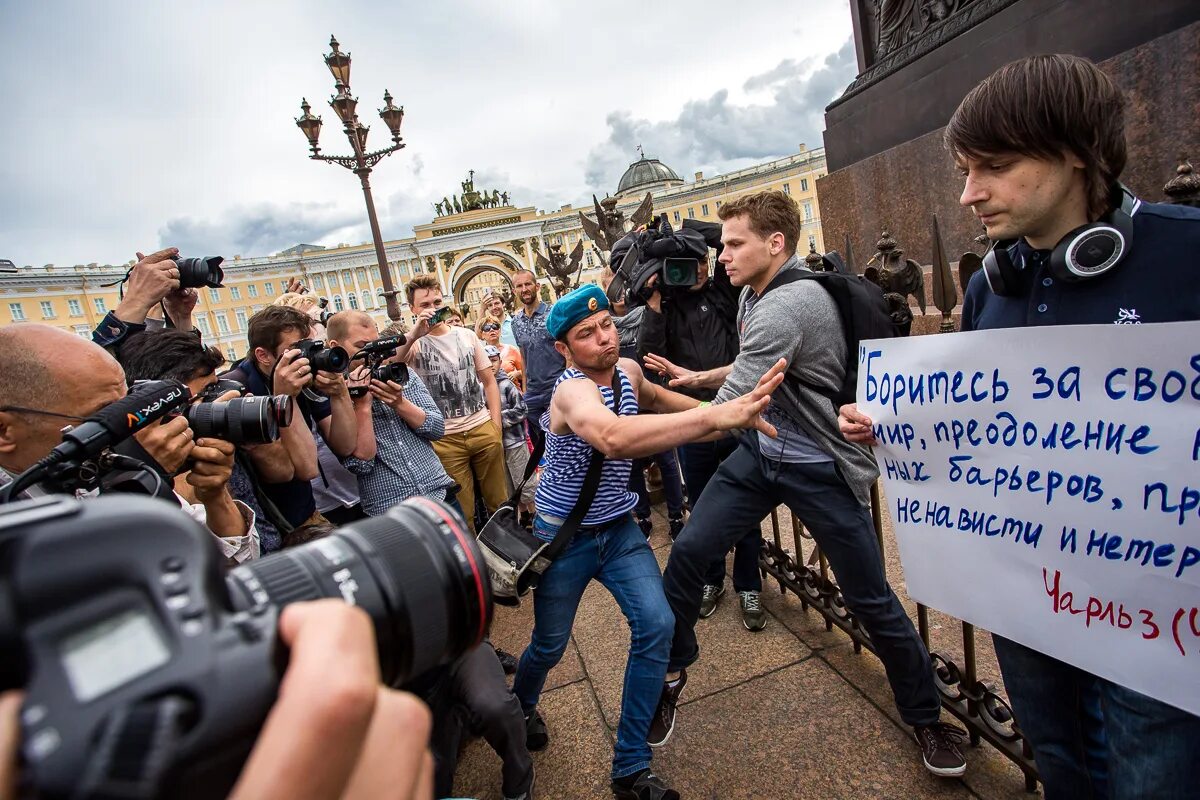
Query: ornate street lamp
(362, 162)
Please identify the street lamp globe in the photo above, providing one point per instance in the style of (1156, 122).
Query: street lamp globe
(310, 125)
(338, 63)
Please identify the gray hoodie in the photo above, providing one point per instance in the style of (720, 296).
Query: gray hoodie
(800, 322)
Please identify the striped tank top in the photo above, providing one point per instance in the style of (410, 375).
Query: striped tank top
(567, 459)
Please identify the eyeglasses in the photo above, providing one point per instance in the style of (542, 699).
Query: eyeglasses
(491, 327)
(39, 412)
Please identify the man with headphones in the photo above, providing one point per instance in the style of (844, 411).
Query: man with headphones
(1040, 145)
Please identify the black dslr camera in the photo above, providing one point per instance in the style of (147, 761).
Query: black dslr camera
(197, 272)
(321, 357)
(657, 250)
(147, 673)
(241, 420)
(374, 354)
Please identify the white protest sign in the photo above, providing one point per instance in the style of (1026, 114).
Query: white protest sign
(1044, 483)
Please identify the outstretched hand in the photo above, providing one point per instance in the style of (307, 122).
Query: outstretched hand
(746, 411)
(677, 376)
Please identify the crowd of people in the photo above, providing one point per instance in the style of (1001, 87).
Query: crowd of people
(728, 386)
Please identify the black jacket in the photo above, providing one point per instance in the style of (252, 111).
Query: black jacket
(696, 330)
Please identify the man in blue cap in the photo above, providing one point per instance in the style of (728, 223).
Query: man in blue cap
(608, 545)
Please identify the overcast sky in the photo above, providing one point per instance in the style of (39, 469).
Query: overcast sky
(144, 123)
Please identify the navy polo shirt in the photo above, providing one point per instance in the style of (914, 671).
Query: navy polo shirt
(294, 498)
(1157, 281)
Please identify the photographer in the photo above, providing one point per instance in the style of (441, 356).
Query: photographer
(75, 379)
(154, 279)
(175, 355)
(695, 327)
(275, 366)
(392, 457)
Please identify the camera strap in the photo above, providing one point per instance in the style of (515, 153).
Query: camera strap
(591, 483)
(133, 749)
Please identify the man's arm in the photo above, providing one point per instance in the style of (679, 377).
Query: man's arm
(340, 428)
(365, 446)
(686, 378)
(578, 403)
(209, 480)
(272, 461)
(514, 410)
(150, 280)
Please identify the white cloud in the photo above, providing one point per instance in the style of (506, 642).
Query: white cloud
(124, 122)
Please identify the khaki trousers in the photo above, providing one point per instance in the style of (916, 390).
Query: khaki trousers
(475, 454)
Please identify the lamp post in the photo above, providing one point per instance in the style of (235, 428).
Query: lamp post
(361, 162)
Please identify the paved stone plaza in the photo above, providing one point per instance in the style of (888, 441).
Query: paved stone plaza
(791, 712)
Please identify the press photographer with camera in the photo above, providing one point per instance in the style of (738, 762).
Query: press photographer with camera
(695, 327)
(397, 419)
(75, 378)
(256, 429)
(282, 360)
(161, 278)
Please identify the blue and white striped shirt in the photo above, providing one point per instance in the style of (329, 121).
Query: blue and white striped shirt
(567, 459)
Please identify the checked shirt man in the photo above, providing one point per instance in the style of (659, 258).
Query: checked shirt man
(609, 547)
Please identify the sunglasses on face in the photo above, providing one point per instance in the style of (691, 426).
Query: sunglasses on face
(491, 327)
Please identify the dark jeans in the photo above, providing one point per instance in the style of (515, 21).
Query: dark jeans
(700, 461)
(672, 485)
(1152, 749)
(481, 702)
(744, 490)
(619, 558)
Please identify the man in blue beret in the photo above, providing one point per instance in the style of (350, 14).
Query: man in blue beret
(608, 546)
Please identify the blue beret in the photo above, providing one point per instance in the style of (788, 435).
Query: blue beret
(573, 307)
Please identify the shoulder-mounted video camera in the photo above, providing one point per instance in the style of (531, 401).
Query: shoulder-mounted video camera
(148, 674)
(658, 250)
(374, 354)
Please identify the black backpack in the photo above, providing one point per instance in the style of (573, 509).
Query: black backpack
(864, 315)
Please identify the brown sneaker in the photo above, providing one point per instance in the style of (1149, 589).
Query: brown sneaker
(663, 723)
(940, 749)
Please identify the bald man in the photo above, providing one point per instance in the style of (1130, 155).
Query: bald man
(50, 379)
(393, 457)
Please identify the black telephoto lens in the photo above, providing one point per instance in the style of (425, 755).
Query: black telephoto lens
(243, 420)
(197, 272)
(416, 571)
(397, 373)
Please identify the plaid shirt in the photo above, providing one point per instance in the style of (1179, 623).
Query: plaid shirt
(404, 464)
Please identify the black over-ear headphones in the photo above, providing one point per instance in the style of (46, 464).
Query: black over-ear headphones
(1089, 251)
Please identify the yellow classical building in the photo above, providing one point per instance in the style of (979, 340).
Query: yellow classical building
(469, 252)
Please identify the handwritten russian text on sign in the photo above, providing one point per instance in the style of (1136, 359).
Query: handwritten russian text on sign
(1044, 483)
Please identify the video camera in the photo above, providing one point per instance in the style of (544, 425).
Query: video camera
(149, 674)
(374, 354)
(657, 250)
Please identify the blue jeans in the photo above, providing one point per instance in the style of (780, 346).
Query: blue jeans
(1152, 749)
(742, 492)
(700, 461)
(620, 559)
(672, 486)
